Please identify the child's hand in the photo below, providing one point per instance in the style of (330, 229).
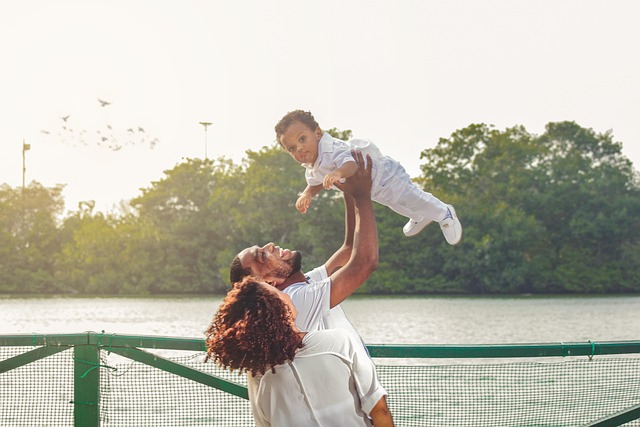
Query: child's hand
(359, 184)
(330, 179)
(303, 202)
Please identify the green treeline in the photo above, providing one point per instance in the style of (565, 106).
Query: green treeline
(551, 213)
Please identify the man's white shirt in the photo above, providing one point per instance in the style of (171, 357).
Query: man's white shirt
(312, 300)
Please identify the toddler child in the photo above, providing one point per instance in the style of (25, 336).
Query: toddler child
(328, 160)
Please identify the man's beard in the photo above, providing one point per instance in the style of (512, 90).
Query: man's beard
(293, 265)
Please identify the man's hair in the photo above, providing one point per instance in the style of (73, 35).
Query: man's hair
(251, 331)
(304, 117)
(237, 272)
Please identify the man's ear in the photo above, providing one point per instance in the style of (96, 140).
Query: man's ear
(264, 279)
(273, 281)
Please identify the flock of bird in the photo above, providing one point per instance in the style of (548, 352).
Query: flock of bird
(109, 137)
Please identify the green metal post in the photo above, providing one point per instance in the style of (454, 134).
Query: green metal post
(86, 387)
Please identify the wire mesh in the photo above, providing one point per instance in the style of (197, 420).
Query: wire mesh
(566, 393)
(39, 394)
(569, 392)
(135, 394)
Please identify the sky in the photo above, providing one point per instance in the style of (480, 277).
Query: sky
(402, 73)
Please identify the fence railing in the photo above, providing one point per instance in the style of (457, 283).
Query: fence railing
(99, 379)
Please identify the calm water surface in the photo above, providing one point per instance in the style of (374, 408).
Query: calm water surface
(380, 320)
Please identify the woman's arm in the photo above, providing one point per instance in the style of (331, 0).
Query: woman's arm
(380, 414)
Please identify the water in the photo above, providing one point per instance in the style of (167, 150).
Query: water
(380, 320)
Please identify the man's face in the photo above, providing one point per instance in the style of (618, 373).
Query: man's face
(270, 262)
(301, 142)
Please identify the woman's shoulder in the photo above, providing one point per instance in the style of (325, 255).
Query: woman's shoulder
(325, 334)
(330, 340)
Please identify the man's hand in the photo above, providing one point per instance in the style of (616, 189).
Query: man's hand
(359, 184)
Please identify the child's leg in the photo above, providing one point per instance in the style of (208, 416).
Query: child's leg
(417, 204)
(397, 191)
(405, 197)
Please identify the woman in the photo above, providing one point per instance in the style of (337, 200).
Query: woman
(322, 378)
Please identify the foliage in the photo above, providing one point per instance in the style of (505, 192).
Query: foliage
(554, 213)
(538, 210)
(29, 237)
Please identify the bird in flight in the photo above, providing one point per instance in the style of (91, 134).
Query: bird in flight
(65, 118)
(103, 103)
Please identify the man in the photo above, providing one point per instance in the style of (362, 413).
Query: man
(317, 294)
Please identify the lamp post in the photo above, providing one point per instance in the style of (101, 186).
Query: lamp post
(206, 125)
(25, 148)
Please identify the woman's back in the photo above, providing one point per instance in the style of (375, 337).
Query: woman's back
(330, 382)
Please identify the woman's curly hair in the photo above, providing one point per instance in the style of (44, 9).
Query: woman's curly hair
(251, 330)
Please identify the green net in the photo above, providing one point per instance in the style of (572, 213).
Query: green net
(135, 394)
(38, 394)
(567, 392)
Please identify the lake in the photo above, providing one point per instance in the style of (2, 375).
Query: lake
(379, 319)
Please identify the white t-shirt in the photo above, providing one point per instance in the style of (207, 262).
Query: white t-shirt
(390, 180)
(330, 382)
(312, 300)
(333, 153)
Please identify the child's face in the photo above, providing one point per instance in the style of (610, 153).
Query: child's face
(301, 142)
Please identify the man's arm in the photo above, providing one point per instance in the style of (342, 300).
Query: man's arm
(342, 255)
(364, 255)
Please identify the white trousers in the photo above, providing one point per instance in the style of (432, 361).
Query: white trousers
(393, 187)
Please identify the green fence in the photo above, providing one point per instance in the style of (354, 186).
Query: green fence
(100, 379)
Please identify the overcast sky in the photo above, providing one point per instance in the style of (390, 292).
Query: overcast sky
(402, 73)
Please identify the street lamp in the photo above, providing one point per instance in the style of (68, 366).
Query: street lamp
(25, 147)
(206, 125)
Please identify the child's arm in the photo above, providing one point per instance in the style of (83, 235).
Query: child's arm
(303, 202)
(344, 171)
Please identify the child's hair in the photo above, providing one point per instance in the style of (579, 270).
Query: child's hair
(304, 117)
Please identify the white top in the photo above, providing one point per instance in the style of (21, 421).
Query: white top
(330, 382)
(333, 153)
(312, 300)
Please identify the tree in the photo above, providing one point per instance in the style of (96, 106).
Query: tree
(265, 208)
(556, 212)
(536, 210)
(191, 226)
(29, 237)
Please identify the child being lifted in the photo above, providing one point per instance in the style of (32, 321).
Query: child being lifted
(328, 160)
